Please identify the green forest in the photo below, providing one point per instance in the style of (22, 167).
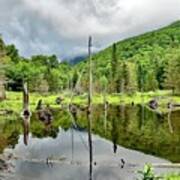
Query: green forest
(135, 104)
(143, 63)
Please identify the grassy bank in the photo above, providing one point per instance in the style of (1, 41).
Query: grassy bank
(14, 99)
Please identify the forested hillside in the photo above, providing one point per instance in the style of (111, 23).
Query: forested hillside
(147, 62)
(144, 63)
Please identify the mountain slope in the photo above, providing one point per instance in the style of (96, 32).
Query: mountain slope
(151, 50)
(166, 37)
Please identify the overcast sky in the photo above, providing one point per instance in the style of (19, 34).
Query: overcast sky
(62, 27)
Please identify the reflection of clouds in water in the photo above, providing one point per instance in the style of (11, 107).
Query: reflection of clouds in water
(106, 174)
(107, 168)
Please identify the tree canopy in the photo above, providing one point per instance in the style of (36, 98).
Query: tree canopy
(143, 63)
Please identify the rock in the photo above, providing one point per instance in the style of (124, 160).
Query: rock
(153, 104)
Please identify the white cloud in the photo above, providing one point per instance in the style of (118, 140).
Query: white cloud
(62, 26)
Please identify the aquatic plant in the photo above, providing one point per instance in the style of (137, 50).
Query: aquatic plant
(148, 173)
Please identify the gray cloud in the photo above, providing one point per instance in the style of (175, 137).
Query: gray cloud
(62, 26)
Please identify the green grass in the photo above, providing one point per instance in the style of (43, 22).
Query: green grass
(172, 176)
(14, 99)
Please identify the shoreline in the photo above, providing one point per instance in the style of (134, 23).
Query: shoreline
(13, 102)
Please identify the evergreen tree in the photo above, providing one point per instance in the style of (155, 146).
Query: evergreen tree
(114, 61)
(75, 79)
(141, 73)
(172, 73)
(151, 83)
(13, 53)
(114, 64)
(126, 76)
(103, 84)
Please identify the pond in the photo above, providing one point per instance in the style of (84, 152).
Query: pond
(124, 139)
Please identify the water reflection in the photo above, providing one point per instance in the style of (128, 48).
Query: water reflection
(114, 134)
(89, 127)
(26, 114)
(26, 125)
(105, 116)
(72, 143)
(170, 106)
(122, 125)
(109, 167)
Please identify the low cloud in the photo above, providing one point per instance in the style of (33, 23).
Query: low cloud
(61, 27)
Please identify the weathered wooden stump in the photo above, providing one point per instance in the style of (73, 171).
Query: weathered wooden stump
(45, 116)
(153, 104)
(59, 100)
(26, 114)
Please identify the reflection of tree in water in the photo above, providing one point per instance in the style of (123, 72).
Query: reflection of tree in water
(46, 131)
(122, 128)
(140, 115)
(114, 130)
(13, 138)
(105, 174)
(144, 115)
(119, 116)
(114, 134)
(42, 129)
(105, 116)
(124, 117)
(10, 131)
(26, 131)
(51, 132)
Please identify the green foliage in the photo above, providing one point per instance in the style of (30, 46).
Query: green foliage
(43, 73)
(133, 127)
(148, 173)
(145, 63)
(103, 83)
(172, 72)
(13, 53)
(149, 53)
(172, 176)
(3, 62)
(114, 61)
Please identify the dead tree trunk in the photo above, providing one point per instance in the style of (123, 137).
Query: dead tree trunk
(89, 112)
(26, 114)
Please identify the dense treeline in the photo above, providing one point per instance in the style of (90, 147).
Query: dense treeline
(43, 73)
(4, 59)
(144, 63)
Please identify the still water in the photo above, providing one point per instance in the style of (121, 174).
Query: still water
(124, 139)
